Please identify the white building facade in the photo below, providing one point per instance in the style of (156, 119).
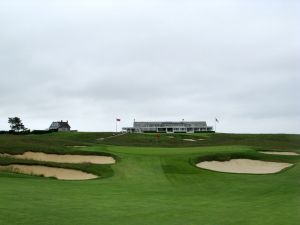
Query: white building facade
(169, 127)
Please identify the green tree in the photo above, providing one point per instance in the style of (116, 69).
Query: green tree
(16, 124)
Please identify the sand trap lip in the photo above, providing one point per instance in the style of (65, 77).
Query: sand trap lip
(188, 139)
(58, 173)
(41, 156)
(248, 166)
(278, 153)
(77, 146)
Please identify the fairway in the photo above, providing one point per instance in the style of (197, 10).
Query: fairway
(152, 182)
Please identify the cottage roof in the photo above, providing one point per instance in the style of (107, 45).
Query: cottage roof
(170, 124)
(59, 124)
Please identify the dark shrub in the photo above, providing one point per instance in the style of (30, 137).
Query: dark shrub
(42, 131)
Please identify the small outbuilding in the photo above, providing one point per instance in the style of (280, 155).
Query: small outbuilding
(60, 126)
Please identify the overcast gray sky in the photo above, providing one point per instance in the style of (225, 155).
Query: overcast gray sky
(92, 61)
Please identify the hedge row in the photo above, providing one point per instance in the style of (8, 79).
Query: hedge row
(27, 132)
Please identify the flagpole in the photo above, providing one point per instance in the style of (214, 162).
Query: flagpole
(116, 126)
(215, 125)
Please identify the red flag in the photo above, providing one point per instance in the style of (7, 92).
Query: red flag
(118, 119)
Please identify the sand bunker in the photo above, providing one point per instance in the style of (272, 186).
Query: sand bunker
(59, 173)
(279, 153)
(188, 139)
(40, 156)
(244, 166)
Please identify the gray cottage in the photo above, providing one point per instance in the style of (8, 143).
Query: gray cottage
(60, 126)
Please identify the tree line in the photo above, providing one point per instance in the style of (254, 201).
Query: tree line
(17, 127)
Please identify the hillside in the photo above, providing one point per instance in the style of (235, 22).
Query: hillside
(153, 182)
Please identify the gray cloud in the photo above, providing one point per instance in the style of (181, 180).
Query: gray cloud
(93, 61)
